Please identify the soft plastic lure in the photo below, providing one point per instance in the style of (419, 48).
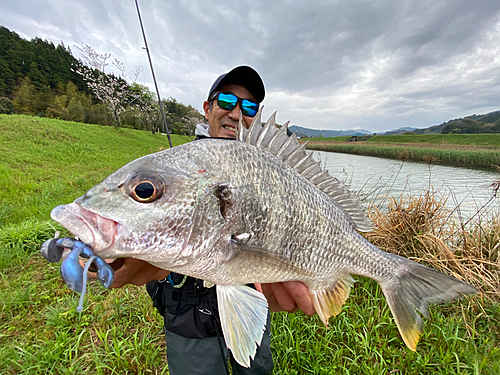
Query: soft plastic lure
(73, 273)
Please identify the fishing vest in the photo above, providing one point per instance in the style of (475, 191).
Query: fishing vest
(188, 308)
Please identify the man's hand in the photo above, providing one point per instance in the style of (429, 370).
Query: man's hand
(288, 296)
(133, 271)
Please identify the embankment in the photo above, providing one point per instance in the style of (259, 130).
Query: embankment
(487, 158)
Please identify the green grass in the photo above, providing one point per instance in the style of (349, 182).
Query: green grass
(463, 150)
(45, 163)
(479, 140)
(328, 139)
(363, 339)
(486, 159)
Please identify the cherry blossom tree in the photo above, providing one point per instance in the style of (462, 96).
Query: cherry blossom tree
(114, 91)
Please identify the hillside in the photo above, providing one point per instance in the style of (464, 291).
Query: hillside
(301, 132)
(488, 118)
(40, 79)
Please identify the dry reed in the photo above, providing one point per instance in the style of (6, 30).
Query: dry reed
(423, 229)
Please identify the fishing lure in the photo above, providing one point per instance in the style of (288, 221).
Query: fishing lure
(73, 273)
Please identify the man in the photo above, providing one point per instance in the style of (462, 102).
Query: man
(194, 339)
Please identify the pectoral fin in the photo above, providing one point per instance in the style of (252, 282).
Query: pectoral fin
(243, 313)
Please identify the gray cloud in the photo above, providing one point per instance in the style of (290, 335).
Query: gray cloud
(326, 64)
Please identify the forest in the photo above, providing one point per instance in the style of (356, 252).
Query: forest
(38, 78)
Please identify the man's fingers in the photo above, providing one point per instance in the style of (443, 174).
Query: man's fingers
(130, 271)
(258, 287)
(299, 292)
(267, 290)
(288, 296)
(282, 298)
(136, 272)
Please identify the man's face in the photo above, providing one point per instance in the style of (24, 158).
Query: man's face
(223, 122)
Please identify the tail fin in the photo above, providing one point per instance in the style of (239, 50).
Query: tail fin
(413, 291)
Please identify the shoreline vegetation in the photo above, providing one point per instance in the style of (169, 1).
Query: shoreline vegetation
(480, 151)
(47, 162)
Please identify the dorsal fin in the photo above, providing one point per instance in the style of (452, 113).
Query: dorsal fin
(276, 140)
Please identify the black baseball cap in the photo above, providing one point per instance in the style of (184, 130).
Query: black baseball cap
(244, 76)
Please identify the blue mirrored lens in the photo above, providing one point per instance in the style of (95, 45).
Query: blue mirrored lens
(227, 101)
(249, 108)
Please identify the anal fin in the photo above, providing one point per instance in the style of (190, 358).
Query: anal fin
(329, 302)
(243, 314)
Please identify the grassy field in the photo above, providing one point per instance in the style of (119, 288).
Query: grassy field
(439, 140)
(44, 163)
(466, 150)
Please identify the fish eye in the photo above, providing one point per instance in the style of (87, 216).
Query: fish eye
(146, 188)
(144, 191)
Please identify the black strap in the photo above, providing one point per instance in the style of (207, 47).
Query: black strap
(219, 334)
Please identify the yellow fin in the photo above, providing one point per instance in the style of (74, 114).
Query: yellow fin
(329, 302)
(411, 292)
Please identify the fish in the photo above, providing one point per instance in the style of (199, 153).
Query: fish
(258, 209)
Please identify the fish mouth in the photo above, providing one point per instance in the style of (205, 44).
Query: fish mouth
(91, 228)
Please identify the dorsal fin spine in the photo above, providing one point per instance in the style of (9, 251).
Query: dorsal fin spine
(255, 128)
(278, 133)
(276, 141)
(265, 130)
(286, 144)
(295, 152)
(331, 179)
(303, 160)
(317, 175)
(308, 169)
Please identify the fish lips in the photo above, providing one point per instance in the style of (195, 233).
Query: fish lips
(92, 229)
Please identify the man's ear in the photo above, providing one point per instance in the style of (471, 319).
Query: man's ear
(206, 108)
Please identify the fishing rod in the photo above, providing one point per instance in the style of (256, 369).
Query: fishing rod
(154, 78)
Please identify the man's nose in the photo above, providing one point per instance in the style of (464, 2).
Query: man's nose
(235, 113)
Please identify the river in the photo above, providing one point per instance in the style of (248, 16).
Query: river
(376, 178)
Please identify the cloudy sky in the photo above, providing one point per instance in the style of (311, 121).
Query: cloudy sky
(376, 65)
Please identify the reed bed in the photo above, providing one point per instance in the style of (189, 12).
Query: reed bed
(423, 229)
(487, 159)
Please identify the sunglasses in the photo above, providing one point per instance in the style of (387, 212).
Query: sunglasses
(230, 101)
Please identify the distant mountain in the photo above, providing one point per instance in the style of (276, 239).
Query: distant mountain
(326, 133)
(488, 118)
(402, 130)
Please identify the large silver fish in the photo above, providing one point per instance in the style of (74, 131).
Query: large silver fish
(257, 210)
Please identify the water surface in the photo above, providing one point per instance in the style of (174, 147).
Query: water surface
(376, 178)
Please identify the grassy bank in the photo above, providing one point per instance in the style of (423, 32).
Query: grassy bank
(463, 150)
(435, 140)
(44, 163)
(461, 158)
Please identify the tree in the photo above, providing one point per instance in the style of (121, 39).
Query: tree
(144, 107)
(6, 106)
(113, 91)
(182, 118)
(25, 98)
(70, 104)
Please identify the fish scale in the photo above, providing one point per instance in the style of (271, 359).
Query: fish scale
(255, 210)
